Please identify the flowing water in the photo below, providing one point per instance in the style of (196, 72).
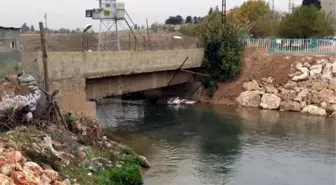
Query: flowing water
(216, 145)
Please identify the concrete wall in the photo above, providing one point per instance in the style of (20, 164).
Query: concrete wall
(64, 65)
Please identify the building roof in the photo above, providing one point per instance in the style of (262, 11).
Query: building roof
(9, 28)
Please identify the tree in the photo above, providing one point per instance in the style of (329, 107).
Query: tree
(135, 26)
(251, 13)
(143, 27)
(222, 51)
(32, 29)
(307, 22)
(64, 30)
(25, 28)
(195, 20)
(210, 11)
(154, 27)
(217, 9)
(174, 20)
(316, 3)
(189, 19)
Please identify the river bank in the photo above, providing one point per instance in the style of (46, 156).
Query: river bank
(39, 145)
(294, 82)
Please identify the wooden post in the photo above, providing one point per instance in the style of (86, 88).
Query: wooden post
(44, 57)
(135, 43)
(150, 44)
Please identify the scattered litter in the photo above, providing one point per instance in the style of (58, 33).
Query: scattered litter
(178, 101)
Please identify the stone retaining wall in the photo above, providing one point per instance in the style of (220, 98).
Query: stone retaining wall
(310, 90)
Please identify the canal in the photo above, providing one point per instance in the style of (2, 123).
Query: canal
(216, 145)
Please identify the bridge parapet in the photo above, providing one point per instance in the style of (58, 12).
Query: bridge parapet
(63, 65)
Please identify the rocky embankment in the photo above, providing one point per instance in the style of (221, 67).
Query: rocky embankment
(41, 144)
(310, 90)
(16, 169)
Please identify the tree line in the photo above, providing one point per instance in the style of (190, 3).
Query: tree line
(306, 21)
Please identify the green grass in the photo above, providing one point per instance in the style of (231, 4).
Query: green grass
(128, 174)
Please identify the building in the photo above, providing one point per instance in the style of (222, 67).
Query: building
(329, 6)
(9, 38)
(10, 54)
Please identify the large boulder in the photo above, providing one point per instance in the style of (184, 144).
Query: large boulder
(268, 80)
(322, 61)
(290, 106)
(325, 95)
(314, 110)
(252, 85)
(305, 84)
(304, 74)
(315, 71)
(290, 85)
(271, 89)
(320, 85)
(334, 69)
(327, 72)
(332, 83)
(302, 95)
(287, 94)
(249, 99)
(270, 101)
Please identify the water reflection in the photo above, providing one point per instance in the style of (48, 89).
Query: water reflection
(206, 144)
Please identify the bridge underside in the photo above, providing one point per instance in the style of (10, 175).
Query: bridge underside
(112, 86)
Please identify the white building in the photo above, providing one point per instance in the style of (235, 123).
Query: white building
(329, 6)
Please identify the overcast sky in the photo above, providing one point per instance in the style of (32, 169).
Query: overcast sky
(71, 13)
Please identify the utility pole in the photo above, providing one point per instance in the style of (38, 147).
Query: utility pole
(273, 19)
(289, 6)
(46, 21)
(223, 11)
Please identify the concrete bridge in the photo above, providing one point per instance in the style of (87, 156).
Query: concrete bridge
(90, 75)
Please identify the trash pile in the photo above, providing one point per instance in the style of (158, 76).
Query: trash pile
(178, 101)
(20, 94)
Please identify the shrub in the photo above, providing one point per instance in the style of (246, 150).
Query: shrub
(222, 53)
(128, 174)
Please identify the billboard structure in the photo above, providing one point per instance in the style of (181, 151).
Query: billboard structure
(109, 14)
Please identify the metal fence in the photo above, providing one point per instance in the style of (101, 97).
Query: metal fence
(282, 45)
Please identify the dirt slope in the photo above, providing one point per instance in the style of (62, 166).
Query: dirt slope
(257, 64)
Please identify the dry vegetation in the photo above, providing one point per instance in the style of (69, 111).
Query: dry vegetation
(72, 41)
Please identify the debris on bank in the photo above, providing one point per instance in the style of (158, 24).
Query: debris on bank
(178, 101)
(40, 144)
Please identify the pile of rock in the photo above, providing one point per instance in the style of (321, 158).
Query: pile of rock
(15, 169)
(311, 89)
